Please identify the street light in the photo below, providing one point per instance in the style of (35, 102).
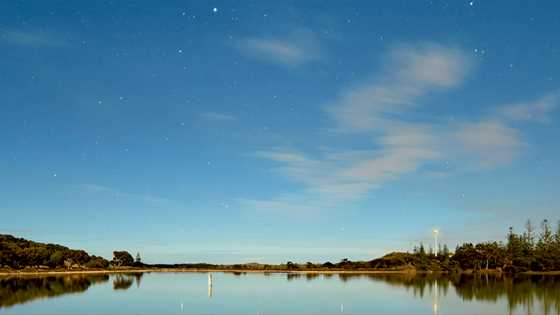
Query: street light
(435, 232)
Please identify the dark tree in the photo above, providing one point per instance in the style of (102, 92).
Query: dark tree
(544, 249)
(19, 253)
(328, 264)
(290, 265)
(445, 251)
(122, 258)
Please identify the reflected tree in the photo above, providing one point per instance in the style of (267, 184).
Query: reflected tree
(123, 281)
(535, 294)
(21, 290)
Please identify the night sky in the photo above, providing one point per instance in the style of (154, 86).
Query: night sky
(225, 131)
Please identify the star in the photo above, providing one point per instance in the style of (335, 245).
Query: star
(215, 10)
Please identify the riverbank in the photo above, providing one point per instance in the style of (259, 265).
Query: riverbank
(180, 270)
(239, 271)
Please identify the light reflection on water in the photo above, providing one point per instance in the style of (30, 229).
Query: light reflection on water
(254, 293)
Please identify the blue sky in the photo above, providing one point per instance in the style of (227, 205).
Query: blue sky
(264, 131)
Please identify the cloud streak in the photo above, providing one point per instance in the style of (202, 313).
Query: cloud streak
(378, 110)
(294, 50)
(99, 189)
(534, 111)
(412, 72)
(31, 38)
(214, 116)
(488, 143)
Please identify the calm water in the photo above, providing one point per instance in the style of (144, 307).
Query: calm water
(190, 293)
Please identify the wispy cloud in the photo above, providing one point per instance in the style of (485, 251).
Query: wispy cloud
(31, 38)
(14, 231)
(99, 189)
(487, 143)
(538, 110)
(93, 188)
(298, 48)
(373, 108)
(214, 116)
(495, 139)
(287, 204)
(412, 72)
(399, 146)
(345, 175)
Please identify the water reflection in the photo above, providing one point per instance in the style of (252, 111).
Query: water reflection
(125, 281)
(435, 297)
(21, 290)
(520, 292)
(526, 294)
(122, 282)
(138, 278)
(209, 285)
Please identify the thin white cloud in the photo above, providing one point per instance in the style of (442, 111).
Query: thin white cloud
(494, 140)
(377, 110)
(99, 189)
(538, 110)
(488, 143)
(349, 174)
(14, 231)
(93, 188)
(373, 108)
(412, 72)
(298, 48)
(214, 116)
(286, 204)
(31, 38)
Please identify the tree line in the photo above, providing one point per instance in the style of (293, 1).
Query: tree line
(532, 250)
(19, 253)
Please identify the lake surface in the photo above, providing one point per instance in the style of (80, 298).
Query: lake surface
(257, 293)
